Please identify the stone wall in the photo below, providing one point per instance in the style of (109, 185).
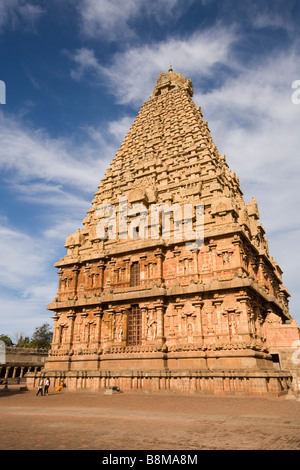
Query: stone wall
(284, 342)
(243, 382)
(18, 361)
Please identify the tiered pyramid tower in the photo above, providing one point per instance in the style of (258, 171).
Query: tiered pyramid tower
(153, 313)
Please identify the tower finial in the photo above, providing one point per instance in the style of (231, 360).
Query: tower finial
(170, 69)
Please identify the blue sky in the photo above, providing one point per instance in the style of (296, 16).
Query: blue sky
(76, 75)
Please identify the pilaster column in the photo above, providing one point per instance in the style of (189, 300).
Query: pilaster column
(60, 274)
(71, 317)
(232, 323)
(125, 324)
(172, 314)
(101, 267)
(178, 308)
(144, 311)
(198, 304)
(159, 256)
(127, 271)
(237, 256)
(196, 265)
(76, 272)
(218, 324)
(123, 313)
(160, 311)
(55, 338)
(86, 271)
(98, 315)
(110, 325)
(244, 327)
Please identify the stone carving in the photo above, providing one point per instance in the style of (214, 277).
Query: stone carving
(172, 79)
(151, 328)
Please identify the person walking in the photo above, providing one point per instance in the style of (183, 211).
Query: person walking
(47, 385)
(40, 387)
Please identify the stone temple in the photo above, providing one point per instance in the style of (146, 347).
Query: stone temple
(156, 313)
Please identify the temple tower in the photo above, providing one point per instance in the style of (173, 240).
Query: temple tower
(143, 302)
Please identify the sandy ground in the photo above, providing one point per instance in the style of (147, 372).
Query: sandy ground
(139, 421)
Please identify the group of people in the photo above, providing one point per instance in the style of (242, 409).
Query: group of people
(43, 389)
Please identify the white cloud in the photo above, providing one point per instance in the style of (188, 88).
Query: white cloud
(31, 154)
(121, 127)
(20, 258)
(22, 316)
(48, 194)
(107, 17)
(112, 19)
(275, 14)
(85, 61)
(28, 280)
(19, 14)
(131, 75)
(60, 177)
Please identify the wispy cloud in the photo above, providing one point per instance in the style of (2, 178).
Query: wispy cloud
(265, 15)
(22, 316)
(112, 19)
(26, 286)
(60, 176)
(31, 154)
(20, 257)
(85, 61)
(19, 14)
(253, 119)
(131, 74)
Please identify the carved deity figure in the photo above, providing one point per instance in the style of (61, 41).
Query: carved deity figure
(151, 328)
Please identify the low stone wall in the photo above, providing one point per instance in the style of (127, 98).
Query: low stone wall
(290, 360)
(255, 382)
(284, 342)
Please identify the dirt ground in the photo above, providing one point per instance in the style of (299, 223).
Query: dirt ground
(141, 421)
